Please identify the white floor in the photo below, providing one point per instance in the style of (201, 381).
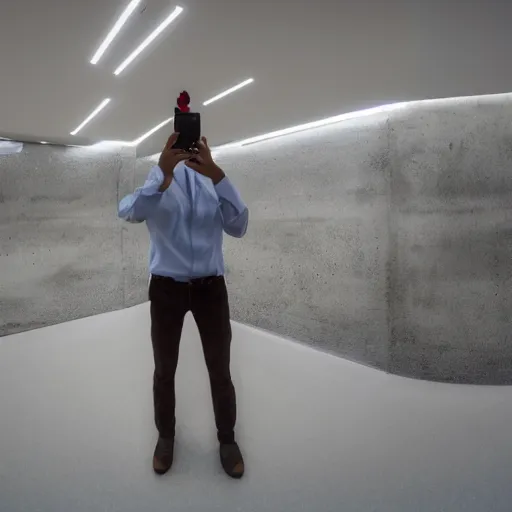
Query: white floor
(319, 433)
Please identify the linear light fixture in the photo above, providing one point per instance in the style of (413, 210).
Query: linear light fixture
(229, 91)
(143, 137)
(177, 11)
(314, 124)
(91, 116)
(115, 30)
(43, 142)
(136, 142)
(298, 128)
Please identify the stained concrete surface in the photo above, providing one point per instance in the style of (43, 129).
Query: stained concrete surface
(61, 249)
(451, 242)
(384, 239)
(313, 264)
(318, 432)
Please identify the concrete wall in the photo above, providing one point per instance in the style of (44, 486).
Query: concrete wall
(387, 240)
(384, 239)
(61, 245)
(451, 239)
(313, 265)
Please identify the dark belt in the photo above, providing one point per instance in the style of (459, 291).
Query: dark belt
(194, 282)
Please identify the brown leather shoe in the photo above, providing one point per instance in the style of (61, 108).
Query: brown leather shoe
(232, 460)
(163, 457)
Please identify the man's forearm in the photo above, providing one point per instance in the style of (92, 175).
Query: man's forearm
(217, 175)
(165, 184)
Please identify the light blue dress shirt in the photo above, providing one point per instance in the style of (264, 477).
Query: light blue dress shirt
(186, 222)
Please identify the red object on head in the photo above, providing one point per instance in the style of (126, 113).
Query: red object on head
(183, 102)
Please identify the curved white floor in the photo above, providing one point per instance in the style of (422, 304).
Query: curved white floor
(319, 433)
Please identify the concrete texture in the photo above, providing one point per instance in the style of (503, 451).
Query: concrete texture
(384, 239)
(61, 254)
(451, 239)
(313, 265)
(318, 433)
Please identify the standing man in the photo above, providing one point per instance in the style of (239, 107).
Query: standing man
(187, 203)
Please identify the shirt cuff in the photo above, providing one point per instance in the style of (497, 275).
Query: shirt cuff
(227, 191)
(153, 185)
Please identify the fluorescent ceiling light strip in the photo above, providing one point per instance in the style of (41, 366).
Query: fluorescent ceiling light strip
(177, 11)
(115, 30)
(136, 142)
(95, 112)
(314, 124)
(229, 91)
(293, 129)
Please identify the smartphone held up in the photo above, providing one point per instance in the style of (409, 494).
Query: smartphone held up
(187, 124)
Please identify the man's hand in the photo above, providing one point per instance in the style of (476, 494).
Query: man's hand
(169, 159)
(202, 162)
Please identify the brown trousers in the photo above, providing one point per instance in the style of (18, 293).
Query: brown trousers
(207, 299)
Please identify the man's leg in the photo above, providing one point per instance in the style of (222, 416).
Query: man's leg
(210, 307)
(169, 304)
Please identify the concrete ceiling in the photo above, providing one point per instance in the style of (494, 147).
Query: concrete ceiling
(309, 59)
